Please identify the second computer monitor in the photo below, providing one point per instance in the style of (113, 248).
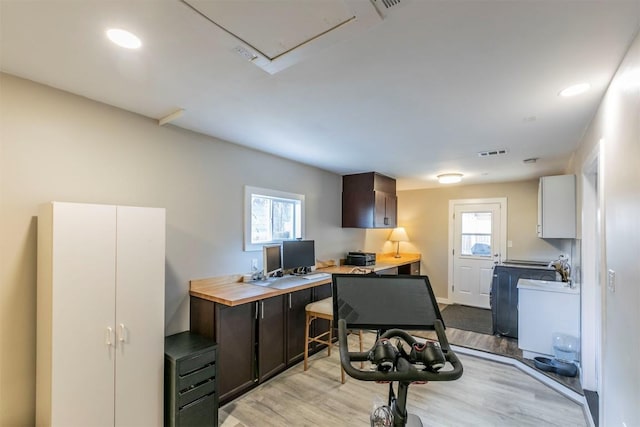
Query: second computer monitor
(272, 260)
(298, 254)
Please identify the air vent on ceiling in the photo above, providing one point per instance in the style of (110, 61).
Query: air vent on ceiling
(491, 153)
(383, 6)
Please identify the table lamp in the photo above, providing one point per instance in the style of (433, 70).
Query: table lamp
(398, 235)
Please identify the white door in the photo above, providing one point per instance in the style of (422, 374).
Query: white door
(477, 236)
(82, 357)
(140, 316)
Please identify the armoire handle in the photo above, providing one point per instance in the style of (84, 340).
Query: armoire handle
(122, 333)
(108, 336)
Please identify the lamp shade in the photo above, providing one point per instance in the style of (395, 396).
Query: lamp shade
(399, 235)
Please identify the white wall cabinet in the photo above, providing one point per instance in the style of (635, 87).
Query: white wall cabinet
(557, 207)
(100, 315)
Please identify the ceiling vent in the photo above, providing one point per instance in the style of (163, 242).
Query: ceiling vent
(384, 6)
(492, 153)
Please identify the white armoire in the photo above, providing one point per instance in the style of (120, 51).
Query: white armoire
(100, 315)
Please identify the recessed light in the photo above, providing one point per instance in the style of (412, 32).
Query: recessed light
(575, 90)
(449, 178)
(124, 38)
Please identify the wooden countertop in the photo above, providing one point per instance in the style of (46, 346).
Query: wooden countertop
(232, 291)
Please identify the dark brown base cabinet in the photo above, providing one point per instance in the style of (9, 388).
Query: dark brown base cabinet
(257, 340)
(271, 342)
(296, 317)
(412, 269)
(191, 395)
(235, 333)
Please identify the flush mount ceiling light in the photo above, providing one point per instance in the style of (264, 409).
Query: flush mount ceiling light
(449, 178)
(575, 90)
(124, 38)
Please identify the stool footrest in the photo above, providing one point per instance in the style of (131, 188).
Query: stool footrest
(322, 309)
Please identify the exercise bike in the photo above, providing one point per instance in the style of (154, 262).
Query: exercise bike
(390, 304)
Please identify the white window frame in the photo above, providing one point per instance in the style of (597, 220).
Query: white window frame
(249, 191)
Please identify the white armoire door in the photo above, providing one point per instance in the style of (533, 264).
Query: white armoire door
(75, 352)
(100, 334)
(140, 316)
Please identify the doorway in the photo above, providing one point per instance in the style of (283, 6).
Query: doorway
(477, 240)
(592, 290)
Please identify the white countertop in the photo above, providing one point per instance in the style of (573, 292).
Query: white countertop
(547, 286)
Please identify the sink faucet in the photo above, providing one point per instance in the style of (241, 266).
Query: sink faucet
(561, 265)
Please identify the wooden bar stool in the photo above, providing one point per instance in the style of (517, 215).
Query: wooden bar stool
(322, 309)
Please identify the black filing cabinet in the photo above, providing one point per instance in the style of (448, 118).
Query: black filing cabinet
(191, 395)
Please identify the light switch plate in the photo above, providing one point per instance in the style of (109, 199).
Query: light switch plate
(611, 280)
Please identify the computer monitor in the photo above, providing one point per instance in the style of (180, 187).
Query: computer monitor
(298, 253)
(271, 259)
(384, 302)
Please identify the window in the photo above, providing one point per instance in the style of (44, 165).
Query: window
(271, 216)
(476, 234)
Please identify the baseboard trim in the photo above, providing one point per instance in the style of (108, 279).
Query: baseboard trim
(443, 301)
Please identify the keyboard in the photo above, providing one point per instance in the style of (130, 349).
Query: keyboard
(316, 276)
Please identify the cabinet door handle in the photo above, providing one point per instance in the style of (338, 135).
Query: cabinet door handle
(262, 309)
(257, 309)
(289, 301)
(108, 334)
(122, 333)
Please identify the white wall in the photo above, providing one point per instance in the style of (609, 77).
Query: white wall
(58, 146)
(616, 127)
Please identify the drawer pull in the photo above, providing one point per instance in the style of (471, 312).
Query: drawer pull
(189, 405)
(193, 364)
(196, 392)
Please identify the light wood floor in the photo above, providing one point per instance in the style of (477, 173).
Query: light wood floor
(488, 394)
(490, 343)
(502, 346)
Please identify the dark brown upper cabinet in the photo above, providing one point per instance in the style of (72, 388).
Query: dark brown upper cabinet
(369, 201)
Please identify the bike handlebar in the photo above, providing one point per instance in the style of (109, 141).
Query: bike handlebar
(405, 371)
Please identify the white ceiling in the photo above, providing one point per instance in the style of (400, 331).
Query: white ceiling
(411, 95)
